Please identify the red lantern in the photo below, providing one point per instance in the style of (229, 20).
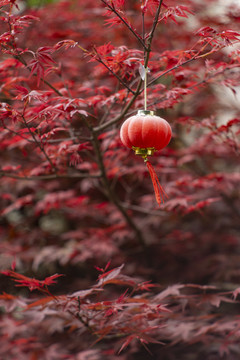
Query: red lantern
(146, 133)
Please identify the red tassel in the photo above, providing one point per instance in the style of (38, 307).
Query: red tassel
(159, 191)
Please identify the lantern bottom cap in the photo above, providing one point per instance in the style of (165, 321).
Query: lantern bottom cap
(143, 151)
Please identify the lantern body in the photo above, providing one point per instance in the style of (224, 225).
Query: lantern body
(145, 130)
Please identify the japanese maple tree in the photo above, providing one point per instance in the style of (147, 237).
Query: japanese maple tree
(91, 267)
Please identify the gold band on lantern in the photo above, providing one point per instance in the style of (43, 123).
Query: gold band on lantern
(144, 152)
(145, 112)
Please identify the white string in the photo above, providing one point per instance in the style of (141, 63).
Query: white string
(145, 89)
(143, 73)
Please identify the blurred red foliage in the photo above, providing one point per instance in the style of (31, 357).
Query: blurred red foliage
(74, 199)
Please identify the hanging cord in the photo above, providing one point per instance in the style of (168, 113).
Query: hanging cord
(145, 68)
(145, 89)
(143, 73)
(158, 189)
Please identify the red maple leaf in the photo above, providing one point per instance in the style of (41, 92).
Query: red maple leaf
(31, 283)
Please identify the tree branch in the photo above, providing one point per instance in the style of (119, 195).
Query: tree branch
(113, 197)
(49, 177)
(108, 190)
(138, 91)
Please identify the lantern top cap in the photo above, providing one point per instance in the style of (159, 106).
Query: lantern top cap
(145, 112)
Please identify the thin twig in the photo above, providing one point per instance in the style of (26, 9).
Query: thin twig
(142, 210)
(80, 318)
(98, 58)
(39, 145)
(16, 133)
(119, 117)
(147, 50)
(113, 73)
(22, 60)
(51, 86)
(155, 22)
(122, 19)
(169, 70)
(196, 85)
